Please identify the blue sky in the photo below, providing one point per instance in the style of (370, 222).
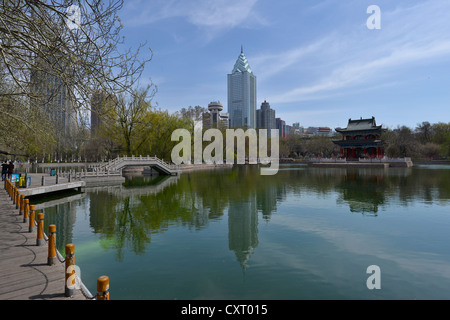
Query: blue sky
(316, 61)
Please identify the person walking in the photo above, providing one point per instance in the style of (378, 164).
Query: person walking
(4, 170)
(10, 170)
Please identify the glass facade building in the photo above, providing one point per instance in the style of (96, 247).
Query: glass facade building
(242, 94)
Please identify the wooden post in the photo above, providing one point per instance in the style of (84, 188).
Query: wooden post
(31, 225)
(21, 203)
(51, 260)
(17, 199)
(70, 270)
(103, 288)
(26, 209)
(40, 229)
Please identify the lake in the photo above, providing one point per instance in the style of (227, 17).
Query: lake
(305, 233)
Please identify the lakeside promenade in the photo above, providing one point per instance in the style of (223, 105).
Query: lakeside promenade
(24, 272)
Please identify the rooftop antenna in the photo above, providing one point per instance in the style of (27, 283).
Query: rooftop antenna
(242, 49)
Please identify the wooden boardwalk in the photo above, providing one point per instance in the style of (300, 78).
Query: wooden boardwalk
(24, 273)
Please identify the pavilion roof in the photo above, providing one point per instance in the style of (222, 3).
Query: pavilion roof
(360, 125)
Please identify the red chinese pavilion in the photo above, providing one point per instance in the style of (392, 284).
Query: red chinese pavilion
(361, 139)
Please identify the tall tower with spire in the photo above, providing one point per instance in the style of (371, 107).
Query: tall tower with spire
(242, 94)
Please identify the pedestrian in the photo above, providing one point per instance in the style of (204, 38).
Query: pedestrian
(10, 170)
(4, 170)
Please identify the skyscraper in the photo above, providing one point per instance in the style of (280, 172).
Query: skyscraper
(242, 94)
(102, 104)
(265, 117)
(53, 97)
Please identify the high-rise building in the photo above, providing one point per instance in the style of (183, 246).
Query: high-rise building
(265, 117)
(214, 118)
(53, 97)
(97, 101)
(101, 104)
(242, 94)
(281, 126)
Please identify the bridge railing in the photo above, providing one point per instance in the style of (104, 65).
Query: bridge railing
(117, 161)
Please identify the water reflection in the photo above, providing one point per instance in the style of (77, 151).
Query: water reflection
(127, 217)
(243, 229)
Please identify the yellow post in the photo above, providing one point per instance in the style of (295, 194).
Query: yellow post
(40, 229)
(70, 270)
(26, 209)
(31, 225)
(103, 288)
(51, 245)
(17, 199)
(21, 202)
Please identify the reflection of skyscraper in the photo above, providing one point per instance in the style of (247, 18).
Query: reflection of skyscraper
(242, 94)
(266, 198)
(243, 229)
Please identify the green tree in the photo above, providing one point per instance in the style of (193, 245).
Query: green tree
(400, 142)
(133, 119)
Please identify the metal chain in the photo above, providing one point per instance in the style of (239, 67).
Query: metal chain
(86, 293)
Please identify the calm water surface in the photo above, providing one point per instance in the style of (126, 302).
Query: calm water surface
(305, 233)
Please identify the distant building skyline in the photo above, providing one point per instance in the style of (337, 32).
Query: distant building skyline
(215, 118)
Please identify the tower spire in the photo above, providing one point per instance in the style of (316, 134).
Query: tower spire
(242, 49)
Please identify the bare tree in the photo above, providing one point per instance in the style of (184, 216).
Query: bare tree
(73, 43)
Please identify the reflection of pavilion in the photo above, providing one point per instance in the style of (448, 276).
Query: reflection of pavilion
(243, 229)
(363, 190)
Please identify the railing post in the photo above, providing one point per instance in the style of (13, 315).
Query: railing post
(103, 288)
(51, 260)
(18, 195)
(70, 270)
(21, 203)
(26, 209)
(40, 229)
(31, 225)
(43, 181)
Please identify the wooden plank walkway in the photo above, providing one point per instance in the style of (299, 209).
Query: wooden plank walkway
(24, 273)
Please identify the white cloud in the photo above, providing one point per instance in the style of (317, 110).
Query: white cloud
(219, 14)
(409, 37)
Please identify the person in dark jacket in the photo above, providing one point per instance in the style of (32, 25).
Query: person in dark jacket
(4, 170)
(10, 170)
